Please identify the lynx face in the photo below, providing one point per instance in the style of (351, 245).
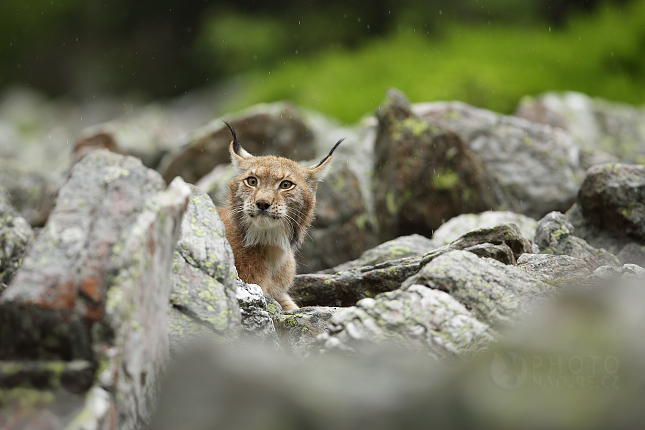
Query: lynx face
(273, 199)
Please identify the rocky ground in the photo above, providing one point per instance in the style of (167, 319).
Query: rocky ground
(465, 269)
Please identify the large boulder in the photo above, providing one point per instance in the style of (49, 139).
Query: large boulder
(555, 235)
(610, 211)
(414, 317)
(495, 293)
(203, 300)
(418, 165)
(612, 198)
(257, 315)
(595, 124)
(538, 167)
(94, 287)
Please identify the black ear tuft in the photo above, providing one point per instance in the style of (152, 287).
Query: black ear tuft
(329, 155)
(236, 145)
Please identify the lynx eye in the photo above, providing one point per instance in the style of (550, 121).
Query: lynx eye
(286, 185)
(251, 181)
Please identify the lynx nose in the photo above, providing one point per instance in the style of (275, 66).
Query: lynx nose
(263, 204)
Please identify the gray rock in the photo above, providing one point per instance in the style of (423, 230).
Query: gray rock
(495, 293)
(556, 270)
(418, 164)
(95, 284)
(203, 297)
(461, 224)
(554, 235)
(581, 353)
(258, 312)
(632, 253)
(414, 317)
(612, 198)
(501, 253)
(626, 272)
(300, 328)
(29, 192)
(508, 235)
(15, 235)
(276, 129)
(595, 124)
(413, 245)
(537, 167)
(345, 288)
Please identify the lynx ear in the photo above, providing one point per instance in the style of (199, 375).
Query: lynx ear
(238, 154)
(318, 172)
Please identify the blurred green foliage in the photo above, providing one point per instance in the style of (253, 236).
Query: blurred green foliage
(490, 66)
(334, 56)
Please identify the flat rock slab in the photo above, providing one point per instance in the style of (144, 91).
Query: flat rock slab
(413, 245)
(415, 317)
(556, 270)
(347, 287)
(461, 224)
(300, 328)
(495, 293)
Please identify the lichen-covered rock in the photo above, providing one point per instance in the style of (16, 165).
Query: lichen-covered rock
(346, 287)
(556, 270)
(612, 198)
(502, 253)
(257, 313)
(495, 293)
(575, 363)
(276, 129)
(203, 297)
(95, 284)
(507, 234)
(300, 328)
(594, 123)
(342, 229)
(461, 224)
(537, 167)
(415, 317)
(31, 194)
(15, 235)
(413, 245)
(419, 164)
(554, 235)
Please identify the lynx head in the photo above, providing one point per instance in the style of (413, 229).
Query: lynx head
(272, 199)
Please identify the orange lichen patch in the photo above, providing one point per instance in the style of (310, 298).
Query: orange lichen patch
(91, 287)
(61, 296)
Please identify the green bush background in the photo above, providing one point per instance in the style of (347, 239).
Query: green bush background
(335, 56)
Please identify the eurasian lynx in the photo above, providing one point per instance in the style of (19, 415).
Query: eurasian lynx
(269, 208)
